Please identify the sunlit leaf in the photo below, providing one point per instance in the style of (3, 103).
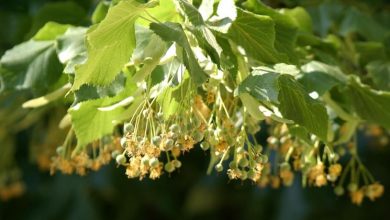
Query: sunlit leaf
(110, 45)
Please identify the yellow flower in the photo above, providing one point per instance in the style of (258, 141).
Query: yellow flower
(374, 191)
(320, 180)
(357, 197)
(335, 169)
(234, 174)
(275, 182)
(287, 177)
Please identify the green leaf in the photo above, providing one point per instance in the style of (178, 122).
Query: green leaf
(356, 21)
(149, 46)
(88, 92)
(228, 59)
(71, 65)
(263, 87)
(206, 9)
(297, 105)
(285, 29)
(165, 11)
(256, 35)
(370, 51)
(318, 82)
(110, 45)
(100, 12)
(143, 37)
(191, 12)
(349, 129)
(91, 123)
(208, 42)
(320, 77)
(60, 12)
(300, 132)
(227, 9)
(379, 71)
(203, 34)
(252, 106)
(226, 14)
(71, 44)
(30, 65)
(171, 98)
(301, 18)
(173, 32)
(370, 104)
(325, 16)
(262, 83)
(153, 52)
(205, 37)
(50, 31)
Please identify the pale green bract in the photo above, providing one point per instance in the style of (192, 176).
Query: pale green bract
(90, 122)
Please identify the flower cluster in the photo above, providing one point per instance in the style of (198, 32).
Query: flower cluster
(92, 157)
(154, 143)
(11, 185)
(361, 182)
(153, 139)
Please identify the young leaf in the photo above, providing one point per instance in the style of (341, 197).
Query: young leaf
(100, 12)
(297, 105)
(110, 45)
(301, 18)
(50, 31)
(165, 11)
(380, 74)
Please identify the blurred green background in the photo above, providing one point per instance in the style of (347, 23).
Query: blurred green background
(187, 194)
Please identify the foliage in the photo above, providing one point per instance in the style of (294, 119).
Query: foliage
(147, 82)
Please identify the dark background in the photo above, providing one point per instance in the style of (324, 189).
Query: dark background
(187, 194)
